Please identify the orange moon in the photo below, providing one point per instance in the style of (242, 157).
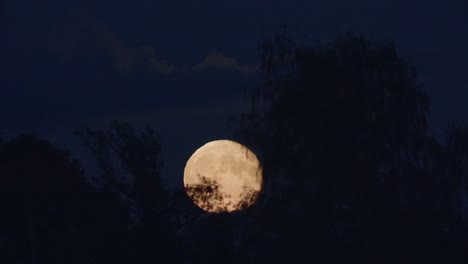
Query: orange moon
(223, 176)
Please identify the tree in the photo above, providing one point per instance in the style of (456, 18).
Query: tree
(135, 154)
(130, 166)
(457, 167)
(41, 188)
(207, 195)
(342, 133)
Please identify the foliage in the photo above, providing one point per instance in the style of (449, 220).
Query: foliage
(41, 189)
(350, 174)
(342, 133)
(138, 153)
(130, 163)
(457, 167)
(208, 196)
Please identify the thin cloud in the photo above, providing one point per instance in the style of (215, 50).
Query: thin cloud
(221, 61)
(84, 36)
(144, 59)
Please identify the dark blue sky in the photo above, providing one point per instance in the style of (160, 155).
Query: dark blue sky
(189, 61)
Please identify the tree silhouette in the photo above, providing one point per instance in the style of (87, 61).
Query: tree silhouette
(136, 153)
(350, 174)
(41, 188)
(342, 134)
(207, 195)
(248, 197)
(457, 167)
(130, 166)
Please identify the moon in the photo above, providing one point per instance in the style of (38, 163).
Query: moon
(223, 176)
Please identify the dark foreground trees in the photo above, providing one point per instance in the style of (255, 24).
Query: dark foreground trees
(50, 211)
(41, 192)
(350, 171)
(349, 165)
(130, 163)
(53, 213)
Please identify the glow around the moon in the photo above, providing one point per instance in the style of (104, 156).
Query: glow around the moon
(223, 176)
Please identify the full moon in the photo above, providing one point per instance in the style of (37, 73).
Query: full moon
(223, 176)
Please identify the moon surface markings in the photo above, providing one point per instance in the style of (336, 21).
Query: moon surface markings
(223, 175)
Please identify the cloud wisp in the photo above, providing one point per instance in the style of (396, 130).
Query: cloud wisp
(82, 36)
(218, 60)
(145, 59)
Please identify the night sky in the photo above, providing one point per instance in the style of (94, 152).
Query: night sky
(182, 66)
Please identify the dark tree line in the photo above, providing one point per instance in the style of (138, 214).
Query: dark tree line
(351, 173)
(342, 132)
